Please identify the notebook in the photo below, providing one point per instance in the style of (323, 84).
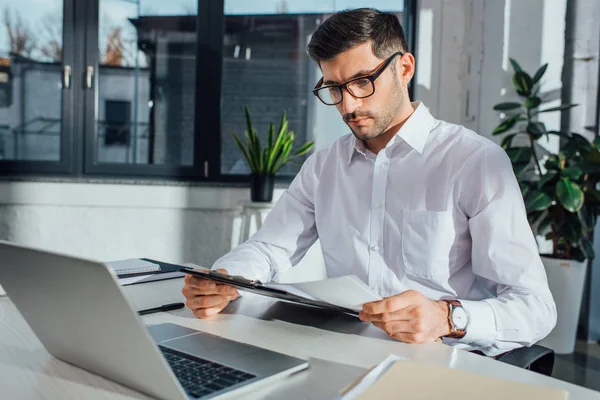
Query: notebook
(132, 267)
(413, 379)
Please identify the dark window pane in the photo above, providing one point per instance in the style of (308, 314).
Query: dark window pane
(147, 60)
(265, 66)
(30, 79)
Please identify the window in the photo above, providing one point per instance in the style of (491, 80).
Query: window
(154, 88)
(32, 101)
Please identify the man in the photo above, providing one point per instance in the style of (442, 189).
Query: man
(427, 213)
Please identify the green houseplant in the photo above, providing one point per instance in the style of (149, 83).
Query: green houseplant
(265, 162)
(560, 195)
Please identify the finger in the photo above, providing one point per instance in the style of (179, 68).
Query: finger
(400, 315)
(209, 312)
(395, 327)
(391, 304)
(200, 283)
(198, 302)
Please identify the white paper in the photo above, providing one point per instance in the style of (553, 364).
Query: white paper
(371, 377)
(290, 289)
(345, 291)
(2, 292)
(132, 279)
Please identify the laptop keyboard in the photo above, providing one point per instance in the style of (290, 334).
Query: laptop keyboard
(201, 377)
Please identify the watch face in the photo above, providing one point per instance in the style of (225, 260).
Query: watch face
(459, 318)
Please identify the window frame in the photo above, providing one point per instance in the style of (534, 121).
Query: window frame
(65, 165)
(80, 105)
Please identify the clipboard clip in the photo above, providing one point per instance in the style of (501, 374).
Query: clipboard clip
(236, 278)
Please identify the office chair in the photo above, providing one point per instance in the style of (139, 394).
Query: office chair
(535, 358)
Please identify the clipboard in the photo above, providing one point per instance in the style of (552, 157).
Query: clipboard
(257, 287)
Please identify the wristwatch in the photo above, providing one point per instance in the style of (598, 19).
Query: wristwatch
(458, 319)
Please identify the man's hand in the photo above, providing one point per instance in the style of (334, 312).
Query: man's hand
(410, 317)
(207, 298)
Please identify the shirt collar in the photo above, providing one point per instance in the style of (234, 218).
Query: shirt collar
(414, 132)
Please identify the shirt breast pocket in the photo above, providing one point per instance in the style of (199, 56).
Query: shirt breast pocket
(427, 239)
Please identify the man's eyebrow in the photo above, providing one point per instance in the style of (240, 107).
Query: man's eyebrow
(356, 75)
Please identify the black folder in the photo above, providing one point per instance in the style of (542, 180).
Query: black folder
(256, 286)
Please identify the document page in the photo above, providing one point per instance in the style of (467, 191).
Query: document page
(345, 291)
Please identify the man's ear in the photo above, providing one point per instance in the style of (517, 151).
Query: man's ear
(406, 68)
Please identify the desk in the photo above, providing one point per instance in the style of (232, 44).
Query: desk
(27, 371)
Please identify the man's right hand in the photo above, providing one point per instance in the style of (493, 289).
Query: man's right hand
(207, 298)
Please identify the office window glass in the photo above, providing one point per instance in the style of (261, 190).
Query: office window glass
(265, 66)
(31, 41)
(146, 83)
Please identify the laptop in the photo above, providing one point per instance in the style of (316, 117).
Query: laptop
(78, 311)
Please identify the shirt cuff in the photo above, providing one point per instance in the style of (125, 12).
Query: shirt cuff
(481, 329)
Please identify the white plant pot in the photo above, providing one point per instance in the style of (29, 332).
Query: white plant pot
(566, 279)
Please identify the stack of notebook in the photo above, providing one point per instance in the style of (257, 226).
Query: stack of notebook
(149, 284)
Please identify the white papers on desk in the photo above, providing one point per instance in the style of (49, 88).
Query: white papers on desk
(132, 279)
(370, 378)
(345, 291)
(132, 266)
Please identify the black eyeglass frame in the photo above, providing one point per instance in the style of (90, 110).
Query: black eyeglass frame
(371, 77)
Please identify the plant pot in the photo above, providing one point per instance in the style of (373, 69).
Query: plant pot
(566, 279)
(261, 187)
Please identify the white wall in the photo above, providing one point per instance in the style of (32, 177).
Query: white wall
(463, 53)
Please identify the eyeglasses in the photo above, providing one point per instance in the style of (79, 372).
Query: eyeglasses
(360, 88)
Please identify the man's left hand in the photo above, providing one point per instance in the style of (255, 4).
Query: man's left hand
(409, 316)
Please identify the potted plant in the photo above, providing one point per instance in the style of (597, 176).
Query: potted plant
(560, 196)
(265, 162)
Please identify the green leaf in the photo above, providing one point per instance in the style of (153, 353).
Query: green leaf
(572, 229)
(507, 141)
(507, 106)
(561, 134)
(572, 172)
(540, 72)
(547, 177)
(270, 138)
(249, 126)
(538, 201)
(304, 149)
(520, 169)
(515, 65)
(569, 194)
(532, 102)
(552, 163)
(596, 143)
(564, 107)
(506, 125)
(575, 144)
(522, 83)
(537, 129)
(519, 155)
(544, 224)
(244, 152)
(594, 194)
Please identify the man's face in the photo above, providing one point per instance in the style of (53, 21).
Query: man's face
(371, 116)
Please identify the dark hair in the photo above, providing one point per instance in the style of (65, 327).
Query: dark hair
(347, 29)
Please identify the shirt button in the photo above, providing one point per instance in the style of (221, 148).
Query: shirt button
(374, 247)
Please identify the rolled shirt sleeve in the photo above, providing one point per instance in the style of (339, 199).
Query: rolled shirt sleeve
(505, 257)
(286, 235)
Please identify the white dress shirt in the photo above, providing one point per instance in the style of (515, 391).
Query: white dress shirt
(438, 210)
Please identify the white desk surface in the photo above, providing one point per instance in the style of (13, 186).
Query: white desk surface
(28, 371)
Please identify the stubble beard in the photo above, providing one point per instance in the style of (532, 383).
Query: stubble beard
(381, 121)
